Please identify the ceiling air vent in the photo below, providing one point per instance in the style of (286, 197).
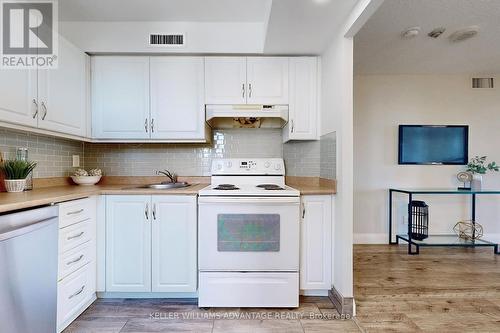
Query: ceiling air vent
(167, 40)
(483, 83)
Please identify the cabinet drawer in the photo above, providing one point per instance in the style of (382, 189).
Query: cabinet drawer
(74, 259)
(246, 289)
(72, 292)
(74, 235)
(75, 211)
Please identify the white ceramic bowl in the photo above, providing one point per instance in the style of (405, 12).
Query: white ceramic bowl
(86, 180)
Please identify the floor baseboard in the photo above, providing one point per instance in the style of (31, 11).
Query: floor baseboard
(344, 305)
(381, 238)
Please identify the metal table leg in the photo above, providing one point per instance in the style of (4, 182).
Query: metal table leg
(390, 219)
(410, 199)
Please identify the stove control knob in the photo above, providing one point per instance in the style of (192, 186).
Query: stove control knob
(219, 166)
(229, 164)
(267, 164)
(277, 166)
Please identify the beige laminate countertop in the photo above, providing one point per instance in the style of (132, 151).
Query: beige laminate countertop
(55, 194)
(313, 189)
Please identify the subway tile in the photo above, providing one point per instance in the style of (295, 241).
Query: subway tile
(311, 158)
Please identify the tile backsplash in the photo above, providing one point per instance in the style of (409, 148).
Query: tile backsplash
(302, 158)
(54, 155)
(184, 159)
(328, 152)
(311, 158)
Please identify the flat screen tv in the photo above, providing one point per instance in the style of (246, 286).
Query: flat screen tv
(433, 144)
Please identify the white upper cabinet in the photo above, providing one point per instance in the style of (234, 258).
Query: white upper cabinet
(128, 243)
(49, 99)
(316, 243)
(62, 93)
(225, 80)
(174, 244)
(252, 80)
(18, 98)
(303, 106)
(120, 97)
(267, 80)
(177, 98)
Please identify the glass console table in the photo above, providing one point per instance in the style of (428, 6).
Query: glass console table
(437, 240)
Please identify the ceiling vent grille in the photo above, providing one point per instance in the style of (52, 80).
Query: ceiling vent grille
(483, 82)
(169, 40)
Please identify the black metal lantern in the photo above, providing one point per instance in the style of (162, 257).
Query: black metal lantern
(419, 220)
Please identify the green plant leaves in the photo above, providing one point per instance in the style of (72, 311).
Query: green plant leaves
(477, 165)
(17, 169)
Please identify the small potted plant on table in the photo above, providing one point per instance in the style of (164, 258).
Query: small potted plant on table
(478, 167)
(15, 173)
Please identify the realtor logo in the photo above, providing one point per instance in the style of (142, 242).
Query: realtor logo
(29, 34)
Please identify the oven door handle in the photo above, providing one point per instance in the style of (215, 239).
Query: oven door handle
(250, 200)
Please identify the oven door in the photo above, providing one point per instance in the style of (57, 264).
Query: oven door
(248, 233)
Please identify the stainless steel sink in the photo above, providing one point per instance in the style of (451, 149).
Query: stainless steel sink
(166, 186)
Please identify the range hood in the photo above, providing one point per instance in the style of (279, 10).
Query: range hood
(246, 116)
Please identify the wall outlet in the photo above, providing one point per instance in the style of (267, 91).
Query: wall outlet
(76, 161)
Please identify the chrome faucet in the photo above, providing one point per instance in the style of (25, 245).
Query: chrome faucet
(170, 175)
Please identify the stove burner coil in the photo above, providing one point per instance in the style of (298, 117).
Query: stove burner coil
(226, 187)
(271, 187)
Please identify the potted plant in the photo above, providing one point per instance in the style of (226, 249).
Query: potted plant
(15, 172)
(478, 167)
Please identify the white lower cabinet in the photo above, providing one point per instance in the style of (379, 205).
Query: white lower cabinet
(128, 243)
(76, 286)
(151, 243)
(174, 240)
(316, 243)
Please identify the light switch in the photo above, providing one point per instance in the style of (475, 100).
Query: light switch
(76, 161)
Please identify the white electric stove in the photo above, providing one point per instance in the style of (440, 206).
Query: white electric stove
(248, 236)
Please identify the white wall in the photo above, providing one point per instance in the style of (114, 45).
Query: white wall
(381, 103)
(133, 37)
(336, 115)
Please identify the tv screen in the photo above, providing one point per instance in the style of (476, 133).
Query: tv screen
(427, 144)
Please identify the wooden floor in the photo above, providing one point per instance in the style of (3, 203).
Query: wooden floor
(441, 290)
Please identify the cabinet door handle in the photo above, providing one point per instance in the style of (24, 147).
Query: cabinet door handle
(249, 90)
(44, 111)
(77, 293)
(146, 211)
(154, 211)
(243, 90)
(292, 127)
(303, 211)
(146, 124)
(152, 125)
(75, 260)
(36, 108)
(75, 236)
(75, 212)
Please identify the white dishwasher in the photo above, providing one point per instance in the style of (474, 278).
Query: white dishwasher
(28, 270)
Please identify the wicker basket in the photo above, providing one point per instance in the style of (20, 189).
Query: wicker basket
(15, 185)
